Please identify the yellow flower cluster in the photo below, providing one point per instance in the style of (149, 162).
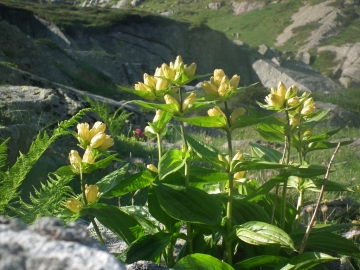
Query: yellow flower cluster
(95, 137)
(171, 72)
(91, 194)
(220, 84)
(233, 117)
(282, 97)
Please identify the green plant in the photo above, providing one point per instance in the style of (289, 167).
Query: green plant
(48, 42)
(9, 64)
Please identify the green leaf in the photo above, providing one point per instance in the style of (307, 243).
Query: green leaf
(171, 108)
(298, 234)
(307, 261)
(170, 162)
(315, 185)
(325, 145)
(265, 153)
(244, 211)
(147, 247)
(201, 262)
(331, 243)
(244, 165)
(157, 212)
(189, 204)
(263, 260)
(206, 175)
(143, 216)
(144, 94)
(217, 121)
(249, 120)
(122, 224)
(261, 233)
(122, 186)
(111, 180)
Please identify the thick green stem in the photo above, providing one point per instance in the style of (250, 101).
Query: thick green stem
(169, 255)
(186, 175)
(284, 191)
(229, 206)
(159, 144)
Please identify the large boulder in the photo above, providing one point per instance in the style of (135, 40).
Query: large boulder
(292, 72)
(48, 245)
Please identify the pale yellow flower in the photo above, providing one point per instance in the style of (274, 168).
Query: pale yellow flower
(83, 131)
(190, 70)
(73, 205)
(157, 115)
(88, 156)
(170, 100)
(98, 140)
(188, 101)
(293, 101)
(107, 143)
(75, 159)
(216, 111)
(91, 193)
(152, 168)
(236, 114)
(97, 128)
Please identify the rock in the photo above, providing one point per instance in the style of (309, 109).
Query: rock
(267, 52)
(245, 7)
(135, 3)
(339, 116)
(48, 245)
(214, 6)
(292, 72)
(323, 14)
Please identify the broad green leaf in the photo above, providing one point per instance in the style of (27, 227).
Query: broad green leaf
(249, 120)
(148, 247)
(298, 234)
(330, 243)
(122, 224)
(171, 108)
(316, 116)
(217, 121)
(198, 105)
(202, 243)
(307, 261)
(325, 145)
(261, 233)
(101, 164)
(170, 162)
(160, 125)
(307, 170)
(265, 153)
(143, 216)
(263, 260)
(244, 165)
(157, 212)
(322, 137)
(267, 186)
(201, 262)
(135, 181)
(144, 94)
(315, 185)
(244, 211)
(206, 175)
(110, 180)
(189, 204)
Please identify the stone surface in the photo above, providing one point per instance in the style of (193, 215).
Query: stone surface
(246, 6)
(47, 245)
(214, 6)
(292, 72)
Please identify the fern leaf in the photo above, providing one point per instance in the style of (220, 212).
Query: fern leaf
(3, 154)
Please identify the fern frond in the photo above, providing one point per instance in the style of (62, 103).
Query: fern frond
(46, 201)
(16, 174)
(3, 154)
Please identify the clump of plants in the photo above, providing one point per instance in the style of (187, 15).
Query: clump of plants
(232, 221)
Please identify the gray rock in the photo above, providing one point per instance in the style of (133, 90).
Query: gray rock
(292, 72)
(47, 245)
(267, 52)
(246, 6)
(338, 116)
(135, 3)
(214, 6)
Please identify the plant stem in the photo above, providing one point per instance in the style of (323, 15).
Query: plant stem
(298, 208)
(326, 177)
(284, 191)
(82, 184)
(159, 146)
(231, 190)
(186, 175)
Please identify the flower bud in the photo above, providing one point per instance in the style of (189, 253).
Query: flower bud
(83, 131)
(308, 109)
(210, 89)
(178, 62)
(307, 132)
(142, 87)
(88, 156)
(157, 115)
(152, 168)
(218, 75)
(188, 101)
(107, 143)
(98, 140)
(293, 101)
(274, 100)
(216, 111)
(308, 102)
(223, 160)
(73, 205)
(291, 92)
(161, 84)
(236, 114)
(75, 159)
(170, 100)
(239, 175)
(238, 156)
(281, 91)
(234, 81)
(223, 89)
(150, 81)
(91, 193)
(190, 70)
(168, 72)
(159, 72)
(97, 128)
(295, 121)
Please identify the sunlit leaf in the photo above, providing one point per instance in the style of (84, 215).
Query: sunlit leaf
(201, 262)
